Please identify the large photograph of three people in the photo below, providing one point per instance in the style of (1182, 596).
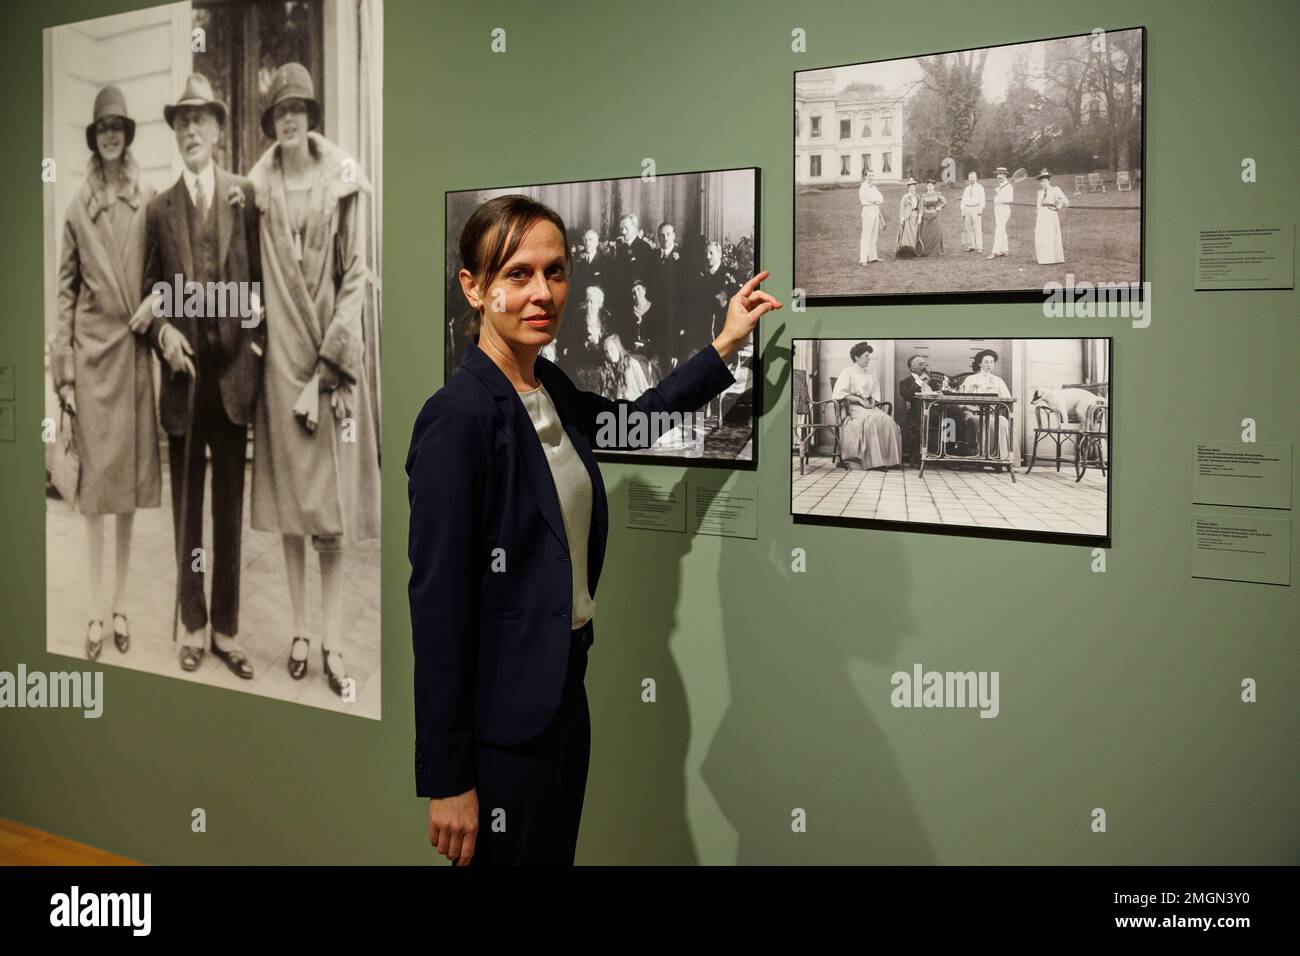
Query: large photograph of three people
(212, 319)
(979, 174)
(1004, 438)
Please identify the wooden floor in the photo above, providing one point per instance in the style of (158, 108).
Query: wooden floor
(26, 846)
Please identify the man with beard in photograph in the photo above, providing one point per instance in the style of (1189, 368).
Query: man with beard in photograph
(919, 380)
(205, 229)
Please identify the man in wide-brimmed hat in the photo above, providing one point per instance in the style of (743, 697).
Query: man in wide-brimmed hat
(204, 229)
(1003, 197)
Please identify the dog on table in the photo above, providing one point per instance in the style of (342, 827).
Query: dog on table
(1071, 404)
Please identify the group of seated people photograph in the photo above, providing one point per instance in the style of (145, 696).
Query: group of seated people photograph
(870, 436)
(922, 418)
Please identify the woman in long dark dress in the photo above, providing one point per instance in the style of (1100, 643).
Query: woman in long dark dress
(931, 230)
(909, 215)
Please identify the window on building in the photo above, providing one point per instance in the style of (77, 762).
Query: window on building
(815, 125)
(846, 129)
(814, 165)
(866, 127)
(844, 166)
(866, 162)
(885, 165)
(887, 128)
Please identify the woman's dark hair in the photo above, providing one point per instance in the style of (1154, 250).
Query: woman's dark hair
(979, 357)
(494, 231)
(858, 349)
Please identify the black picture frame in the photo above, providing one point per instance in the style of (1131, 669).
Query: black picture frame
(974, 531)
(756, 370)
(957, 297)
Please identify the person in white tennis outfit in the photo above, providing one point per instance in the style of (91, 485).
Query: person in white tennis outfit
(1003, 195)
(872, 219)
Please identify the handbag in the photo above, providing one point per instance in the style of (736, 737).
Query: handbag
(65, 466)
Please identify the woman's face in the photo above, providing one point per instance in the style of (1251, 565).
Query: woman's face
(863, 360)
(912, 188)
(524, 303)
(987, 363)
(612, 350)
(289, 119)
(110, 138)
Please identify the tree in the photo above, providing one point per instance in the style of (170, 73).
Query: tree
(957, 81)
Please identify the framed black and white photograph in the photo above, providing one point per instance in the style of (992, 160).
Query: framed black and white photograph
(655, 261)
(212, 327)
(982, 174)
(1003, 438)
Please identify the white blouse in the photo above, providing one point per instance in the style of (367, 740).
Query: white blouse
(856, 380)
(572, 487)
(986, 383)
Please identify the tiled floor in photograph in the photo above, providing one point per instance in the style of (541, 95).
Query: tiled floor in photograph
(1042, 500)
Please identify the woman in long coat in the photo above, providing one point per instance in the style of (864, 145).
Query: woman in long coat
(315, 468)
(101, 368)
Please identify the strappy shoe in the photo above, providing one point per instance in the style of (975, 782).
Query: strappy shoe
(121, 638)
(235, 659)
(336, 680)
(93, 647)
(191, 651)
(298, 668)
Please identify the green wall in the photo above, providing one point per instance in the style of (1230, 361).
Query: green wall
(1118, 690)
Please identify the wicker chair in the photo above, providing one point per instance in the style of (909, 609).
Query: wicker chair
(1050, 426)
(1094, 438)
(805, 420)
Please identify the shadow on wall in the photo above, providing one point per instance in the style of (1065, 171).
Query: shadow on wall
(635, 808)
(797, 733)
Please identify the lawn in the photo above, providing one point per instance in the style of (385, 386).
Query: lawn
(1101, 233)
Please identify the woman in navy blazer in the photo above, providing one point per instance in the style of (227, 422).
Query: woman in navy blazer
(502, 735)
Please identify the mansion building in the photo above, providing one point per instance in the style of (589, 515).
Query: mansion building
(836, 136)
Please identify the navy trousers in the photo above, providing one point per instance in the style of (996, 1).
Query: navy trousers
(530, 795)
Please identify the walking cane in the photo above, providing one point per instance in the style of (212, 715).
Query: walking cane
(192, 390)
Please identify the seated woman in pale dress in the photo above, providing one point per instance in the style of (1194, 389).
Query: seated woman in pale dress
(985, 382)
(869, 437)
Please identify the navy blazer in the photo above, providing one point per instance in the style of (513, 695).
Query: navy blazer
(492, 628)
